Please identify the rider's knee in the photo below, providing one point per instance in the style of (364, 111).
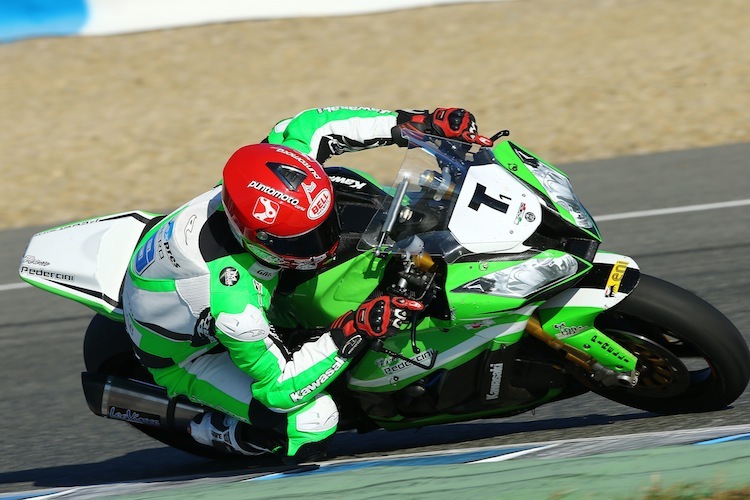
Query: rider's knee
(320, 415)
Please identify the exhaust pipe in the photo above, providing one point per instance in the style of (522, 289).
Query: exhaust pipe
(137, 402)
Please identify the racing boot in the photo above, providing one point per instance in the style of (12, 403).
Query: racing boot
(228, 434)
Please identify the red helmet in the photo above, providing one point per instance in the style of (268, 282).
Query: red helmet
(279, 203)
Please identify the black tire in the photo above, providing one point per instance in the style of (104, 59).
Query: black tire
(106, 344)
(692, 358)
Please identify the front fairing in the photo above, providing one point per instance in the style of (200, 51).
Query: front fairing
(551, 183)
(458, 201)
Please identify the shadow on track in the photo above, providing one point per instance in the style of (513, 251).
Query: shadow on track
(155, 463)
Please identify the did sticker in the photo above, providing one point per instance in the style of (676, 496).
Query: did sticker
(229, 276)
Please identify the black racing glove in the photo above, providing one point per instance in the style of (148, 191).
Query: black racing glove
(375, 318)
(452, 123)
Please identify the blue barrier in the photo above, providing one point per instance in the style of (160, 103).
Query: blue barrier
(34, 18)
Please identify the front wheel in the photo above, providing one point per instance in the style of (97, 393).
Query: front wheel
(691, 358)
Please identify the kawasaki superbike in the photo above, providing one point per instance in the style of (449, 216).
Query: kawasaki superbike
(521, 306)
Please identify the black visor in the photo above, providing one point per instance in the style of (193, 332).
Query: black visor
(314, 243)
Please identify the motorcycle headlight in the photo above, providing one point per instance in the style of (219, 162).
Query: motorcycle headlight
(561, 191)
(524, 279)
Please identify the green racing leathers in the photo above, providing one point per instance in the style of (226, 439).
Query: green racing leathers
(195, 303)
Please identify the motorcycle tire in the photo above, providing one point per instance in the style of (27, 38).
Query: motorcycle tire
(691, 357)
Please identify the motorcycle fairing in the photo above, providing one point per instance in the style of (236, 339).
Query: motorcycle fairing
(550, 182)
(570, 315)
(86, 261)
(379, 372)
(509, 212)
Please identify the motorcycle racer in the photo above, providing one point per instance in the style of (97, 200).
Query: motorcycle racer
(200, 282)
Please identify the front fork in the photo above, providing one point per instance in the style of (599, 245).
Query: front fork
(605, 360)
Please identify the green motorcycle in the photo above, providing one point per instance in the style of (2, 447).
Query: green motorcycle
(521, 308)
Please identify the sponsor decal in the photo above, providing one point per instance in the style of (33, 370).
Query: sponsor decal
(266, 210)
(189, 227)
(329, 109)
(133, 416)
(168, 229)
(316, 384)
(388, 366)
(69, 226)
(204, 331)
(32, 271)
(565, 331)
(320, 205)
(529, 217)
(301, 160)
(145, 256)
(164, 244)
(496, 372)
(229, 276)
(615, 278)
(478, 325)
(265, 255)
(262, 272)
(519, 214)
(310, 263)
(605, 345)
(346, 181)
(350, 347)
(273, 192)
(33, 261)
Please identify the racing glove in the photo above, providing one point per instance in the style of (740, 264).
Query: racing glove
(375, 318)
(452, 123)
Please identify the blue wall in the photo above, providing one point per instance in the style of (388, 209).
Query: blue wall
(34, 18)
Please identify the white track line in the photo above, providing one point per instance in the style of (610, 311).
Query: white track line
(673, 210)
(599, 218)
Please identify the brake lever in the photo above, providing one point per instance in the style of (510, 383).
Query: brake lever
(413, 333)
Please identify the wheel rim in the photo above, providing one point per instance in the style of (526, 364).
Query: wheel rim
(663, 373)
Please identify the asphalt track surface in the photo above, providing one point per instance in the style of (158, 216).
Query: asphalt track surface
(49, 439)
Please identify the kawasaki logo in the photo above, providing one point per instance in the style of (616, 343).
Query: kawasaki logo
(347, 181)
(496, 372)
(316, 384)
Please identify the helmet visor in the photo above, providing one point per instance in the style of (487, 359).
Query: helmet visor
(315, 243)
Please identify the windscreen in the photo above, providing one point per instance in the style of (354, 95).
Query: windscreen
(450, 199)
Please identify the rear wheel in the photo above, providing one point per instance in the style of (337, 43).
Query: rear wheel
(691, 357)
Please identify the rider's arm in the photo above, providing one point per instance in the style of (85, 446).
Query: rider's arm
(282, 379)
(323, 132)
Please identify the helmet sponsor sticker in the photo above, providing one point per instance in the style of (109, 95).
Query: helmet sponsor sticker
(299, 158)
(229, 276)
(273, 192)
(266, 210)
(319, 206)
